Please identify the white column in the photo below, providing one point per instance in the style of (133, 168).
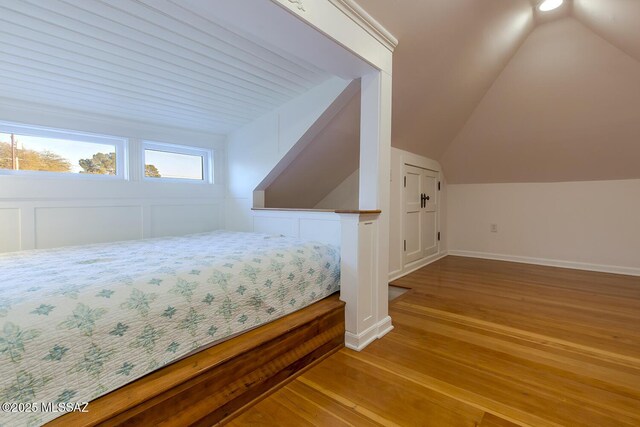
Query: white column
(384, 191)
(375, 176)
(358, 276)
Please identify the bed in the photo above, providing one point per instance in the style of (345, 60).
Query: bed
(79, 322)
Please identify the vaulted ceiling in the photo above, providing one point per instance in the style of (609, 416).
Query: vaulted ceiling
(494, 90)
(499, 92)
(155, 61)
(448, 55)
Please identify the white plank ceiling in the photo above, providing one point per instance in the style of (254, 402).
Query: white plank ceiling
(152, 61)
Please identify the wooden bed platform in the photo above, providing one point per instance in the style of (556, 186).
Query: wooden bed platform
(217, 383)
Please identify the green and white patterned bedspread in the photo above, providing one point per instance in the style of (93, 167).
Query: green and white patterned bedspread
(79, 322)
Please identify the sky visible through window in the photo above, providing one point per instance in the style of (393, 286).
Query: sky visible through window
(68, 156)
(174, 165)
(71, 151)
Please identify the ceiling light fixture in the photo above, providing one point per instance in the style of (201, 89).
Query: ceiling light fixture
(548, 5)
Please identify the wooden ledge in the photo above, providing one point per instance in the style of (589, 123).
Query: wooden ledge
(293, 210)
(213, 384)
(338, 211)
(365, 212)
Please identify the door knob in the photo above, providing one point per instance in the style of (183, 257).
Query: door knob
(427, 198)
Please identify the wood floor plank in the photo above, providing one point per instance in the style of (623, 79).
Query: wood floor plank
(593, 349)
(344, 412)
(345, 401)
(475, 390)
(484, 344)
(305, 408)
(515, 388)
(490, 420)
(389, 395)
(602, 334)
(270, 412)
(572, 364)
(313, 406)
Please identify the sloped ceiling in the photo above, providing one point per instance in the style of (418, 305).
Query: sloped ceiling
(617, 21)
(154, 61)
(500, 93)
(326, 160)
(566, 108)
(448, 55)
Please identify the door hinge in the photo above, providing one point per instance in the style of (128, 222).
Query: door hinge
(405, 245)
(438, 185)
(405, 181)
(438, 236)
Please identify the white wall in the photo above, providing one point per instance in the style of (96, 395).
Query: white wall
(256, 148)
(37, 212)
(344, 196)
(592, 225)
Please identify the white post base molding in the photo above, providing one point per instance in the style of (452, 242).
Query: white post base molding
(359, 341)
(359, 279)
(384, 326)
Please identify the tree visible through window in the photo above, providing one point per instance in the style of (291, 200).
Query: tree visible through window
(14, 155)
(45, 154)
(151, 171)
(29, 149)
(100, 163)
(175, 162)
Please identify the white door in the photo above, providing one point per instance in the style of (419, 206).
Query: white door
(413, 248)
(429, 213)
(420, 213)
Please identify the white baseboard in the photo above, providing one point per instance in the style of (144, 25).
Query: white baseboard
(360, 341)
(393, 275)
(630, 271)
(410, 268)
(384, 326)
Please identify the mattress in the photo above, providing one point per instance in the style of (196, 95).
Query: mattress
(79, 322)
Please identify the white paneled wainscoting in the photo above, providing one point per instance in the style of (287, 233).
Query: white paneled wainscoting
(586, 225)
(45, 210)
(55, 223)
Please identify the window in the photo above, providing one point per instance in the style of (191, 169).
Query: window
(43, 151)
(176, 162)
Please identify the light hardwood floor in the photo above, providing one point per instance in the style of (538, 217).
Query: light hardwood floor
(482, 343)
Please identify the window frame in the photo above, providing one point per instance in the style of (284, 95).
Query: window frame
(120, 144)
(205, 153)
